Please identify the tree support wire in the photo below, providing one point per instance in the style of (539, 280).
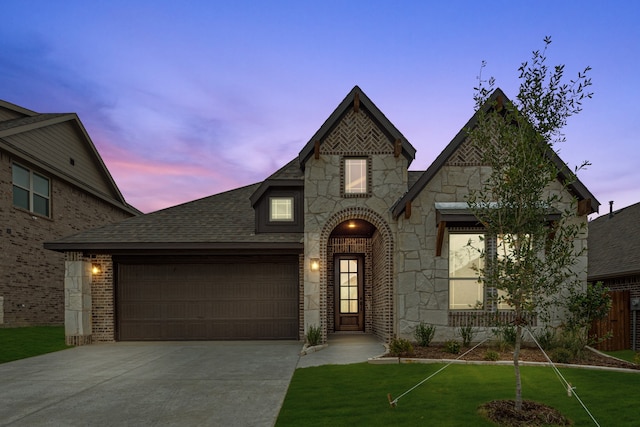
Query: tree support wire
(571, 391)
(394, 402)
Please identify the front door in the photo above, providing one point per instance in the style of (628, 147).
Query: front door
(348, 293)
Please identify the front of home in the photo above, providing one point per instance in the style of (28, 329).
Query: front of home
(343, 237)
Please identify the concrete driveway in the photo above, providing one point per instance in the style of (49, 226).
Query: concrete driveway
(159, 384)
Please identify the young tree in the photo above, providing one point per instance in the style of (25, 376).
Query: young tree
(518, 203)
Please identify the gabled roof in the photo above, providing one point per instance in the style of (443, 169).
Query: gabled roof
(60, 145)
(18, 110)
(290, 175)
(223, 221)
(577, 187)
(356, 99)
(614, 244)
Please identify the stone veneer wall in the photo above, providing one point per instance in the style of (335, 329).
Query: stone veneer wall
(423, 285)
(325, 207)
(92, 319)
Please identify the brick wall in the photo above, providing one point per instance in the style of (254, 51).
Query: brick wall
(31, 278)
(102, 300)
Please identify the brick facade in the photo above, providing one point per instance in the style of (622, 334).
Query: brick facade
(31, 278)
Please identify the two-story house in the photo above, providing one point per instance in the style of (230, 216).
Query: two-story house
(343, 237)
(52, 183)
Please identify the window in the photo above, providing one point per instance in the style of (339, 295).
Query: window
(30, 190)
(281, 209)
(465, 288)
(355, 176)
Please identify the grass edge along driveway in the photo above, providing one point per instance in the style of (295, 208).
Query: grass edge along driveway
(20, 343)
(350, 395)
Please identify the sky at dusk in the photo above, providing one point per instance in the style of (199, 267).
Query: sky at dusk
(188, 99)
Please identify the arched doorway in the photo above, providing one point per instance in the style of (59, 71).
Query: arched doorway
(356, 248)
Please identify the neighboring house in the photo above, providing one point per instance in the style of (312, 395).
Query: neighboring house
(343, 237)
(614, 260)
(52, 183)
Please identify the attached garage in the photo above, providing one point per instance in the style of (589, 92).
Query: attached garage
(211, 299)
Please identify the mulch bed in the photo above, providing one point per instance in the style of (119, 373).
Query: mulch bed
(503, 413)
(526, 354)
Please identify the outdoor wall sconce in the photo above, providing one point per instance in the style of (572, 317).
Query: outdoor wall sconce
(95, 269)
(315, 264)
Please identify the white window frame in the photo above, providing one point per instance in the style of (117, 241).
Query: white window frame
(278, 203)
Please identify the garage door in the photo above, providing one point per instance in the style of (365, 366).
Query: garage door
(214, 301)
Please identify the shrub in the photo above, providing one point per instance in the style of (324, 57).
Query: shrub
(506, 335)
(452, 347)
(424, 334)
(400, 347)
(636, 358)
(314, 336)
(546, 338)
(561, 355)
(492, 355)
(467, 332)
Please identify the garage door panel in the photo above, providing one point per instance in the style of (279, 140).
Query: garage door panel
(207, 301)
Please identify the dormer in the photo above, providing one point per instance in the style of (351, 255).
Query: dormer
(278, 201)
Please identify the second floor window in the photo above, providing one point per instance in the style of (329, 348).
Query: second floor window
(355, 176)
(31, 191)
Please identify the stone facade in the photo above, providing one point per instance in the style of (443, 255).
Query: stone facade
(423, 278)
(326, 206)
(31, 277)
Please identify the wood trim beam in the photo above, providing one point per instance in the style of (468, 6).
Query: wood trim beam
(397, 148)
(407, 210)
(440, 237)
(584, 207)
(316, 149)
(356, 102)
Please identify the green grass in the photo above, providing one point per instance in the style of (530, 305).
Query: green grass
(20, 343)
(354, 395)
(627, 355)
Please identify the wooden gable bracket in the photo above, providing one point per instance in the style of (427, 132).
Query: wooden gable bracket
(356, 102)
(407, 210)
(440, 237)
(584, 206)
(397, 148)
(316, 149)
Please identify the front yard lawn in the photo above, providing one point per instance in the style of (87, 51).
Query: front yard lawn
(19, 343)
(353, 395)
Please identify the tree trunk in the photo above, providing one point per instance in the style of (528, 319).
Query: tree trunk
(516, 366)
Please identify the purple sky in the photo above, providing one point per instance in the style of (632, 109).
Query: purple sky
(188, 99)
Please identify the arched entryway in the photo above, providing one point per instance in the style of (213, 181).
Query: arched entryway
(356, 284)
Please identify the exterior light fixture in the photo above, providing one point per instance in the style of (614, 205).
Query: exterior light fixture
(351, 224)
(314, 265)
(96, 269)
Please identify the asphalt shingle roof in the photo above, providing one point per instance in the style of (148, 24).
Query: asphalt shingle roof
(215, 221)
(614, 244)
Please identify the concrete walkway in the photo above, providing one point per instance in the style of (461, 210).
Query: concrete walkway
(344, 349)
(210, 383)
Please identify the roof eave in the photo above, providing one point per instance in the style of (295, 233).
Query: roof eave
(109, 247)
